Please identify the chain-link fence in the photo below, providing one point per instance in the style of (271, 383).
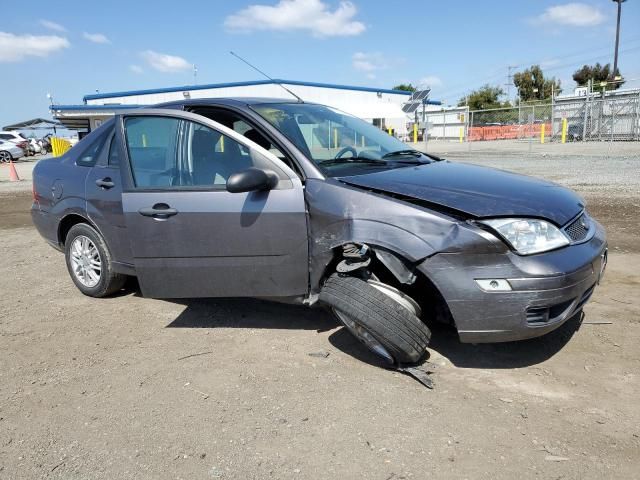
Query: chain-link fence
(588, 119)
(605, 119)
(539, 127)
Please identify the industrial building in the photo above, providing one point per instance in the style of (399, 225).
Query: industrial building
(382, 107)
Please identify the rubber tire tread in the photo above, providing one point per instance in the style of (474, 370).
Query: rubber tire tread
(110, 281)
(403, 334)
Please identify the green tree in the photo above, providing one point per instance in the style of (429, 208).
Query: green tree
(483, 98)
(407, 87)
(532, 85)
(597, 74)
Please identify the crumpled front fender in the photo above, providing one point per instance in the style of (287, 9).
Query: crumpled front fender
(341, 214)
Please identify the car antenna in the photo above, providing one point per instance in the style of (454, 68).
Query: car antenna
(261, 72)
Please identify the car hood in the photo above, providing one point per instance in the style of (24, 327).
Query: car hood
(479, 192)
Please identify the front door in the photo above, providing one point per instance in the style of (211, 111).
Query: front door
(189, 236)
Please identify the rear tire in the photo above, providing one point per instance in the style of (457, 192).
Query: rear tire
(5, 157)
(374, 317)
(89, 262)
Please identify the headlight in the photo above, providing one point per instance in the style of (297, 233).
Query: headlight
(528, 235)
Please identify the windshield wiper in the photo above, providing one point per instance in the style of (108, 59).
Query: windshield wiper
(398, 153)
(337, 161)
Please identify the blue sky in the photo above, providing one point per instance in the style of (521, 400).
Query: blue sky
(77, 47)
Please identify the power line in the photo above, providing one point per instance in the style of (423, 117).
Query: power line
(576, 53)
(456, 92)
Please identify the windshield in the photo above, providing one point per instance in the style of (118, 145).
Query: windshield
(339, 143)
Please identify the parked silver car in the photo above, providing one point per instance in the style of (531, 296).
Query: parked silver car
(303, 203)
(9, 151)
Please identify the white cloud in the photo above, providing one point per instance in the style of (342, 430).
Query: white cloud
(369, 62)
(52, 25)
(136, 68)
(310, 15)
(14, 48)
(166, 63)
(572, 14)
(96, 37)
(430, 81)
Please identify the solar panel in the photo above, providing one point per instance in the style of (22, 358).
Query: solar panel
(419, 97)
(421, 94)
(410, 107)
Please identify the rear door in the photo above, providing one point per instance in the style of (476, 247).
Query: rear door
(103, 191)
(190, 237)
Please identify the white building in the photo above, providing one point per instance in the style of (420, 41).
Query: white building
(382, 107)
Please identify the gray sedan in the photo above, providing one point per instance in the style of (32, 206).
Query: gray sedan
(303, 203)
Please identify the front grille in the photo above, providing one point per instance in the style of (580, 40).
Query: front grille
(579, 228)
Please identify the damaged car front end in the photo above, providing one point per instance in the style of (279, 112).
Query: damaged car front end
(504, 273)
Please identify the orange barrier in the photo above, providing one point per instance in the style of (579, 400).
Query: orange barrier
(506, 132)
(13, 174)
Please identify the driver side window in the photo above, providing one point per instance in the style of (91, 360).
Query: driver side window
(173, 152)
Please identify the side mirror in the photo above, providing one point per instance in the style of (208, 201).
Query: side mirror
(251, 180)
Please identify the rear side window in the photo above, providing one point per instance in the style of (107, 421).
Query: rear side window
(114, 153)
(89, 156)
(172, 152)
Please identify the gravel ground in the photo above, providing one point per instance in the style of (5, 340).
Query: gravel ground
(129, 387)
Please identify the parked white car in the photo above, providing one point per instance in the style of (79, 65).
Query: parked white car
(9, 151)
(17, 139)
(35, 145)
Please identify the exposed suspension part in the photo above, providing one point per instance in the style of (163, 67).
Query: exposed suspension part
(356, 259)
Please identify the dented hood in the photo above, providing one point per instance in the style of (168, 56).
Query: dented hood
(479, 192)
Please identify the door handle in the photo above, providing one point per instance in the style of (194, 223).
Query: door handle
(105, 183)
(159, 210)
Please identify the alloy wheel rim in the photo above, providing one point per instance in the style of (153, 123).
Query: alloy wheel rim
(85, 261)
(4, 156)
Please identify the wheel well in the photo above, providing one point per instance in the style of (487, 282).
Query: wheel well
(66, 224)
(422, 290)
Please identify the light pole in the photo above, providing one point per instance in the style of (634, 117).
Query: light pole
(615, 57)
(50, 97)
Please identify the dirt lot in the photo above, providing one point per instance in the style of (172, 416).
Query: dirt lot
(129, 387)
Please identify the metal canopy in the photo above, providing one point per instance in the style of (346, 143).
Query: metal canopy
(74, 123)
(34, 124)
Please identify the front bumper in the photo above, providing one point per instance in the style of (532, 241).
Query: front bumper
(547, 289)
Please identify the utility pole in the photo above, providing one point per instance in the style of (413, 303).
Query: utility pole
(615, 57)
(195, 74)
(510, 68)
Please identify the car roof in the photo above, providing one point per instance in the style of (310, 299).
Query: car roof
(232, 101)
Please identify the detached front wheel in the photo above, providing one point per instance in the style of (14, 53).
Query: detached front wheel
(384, 319)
